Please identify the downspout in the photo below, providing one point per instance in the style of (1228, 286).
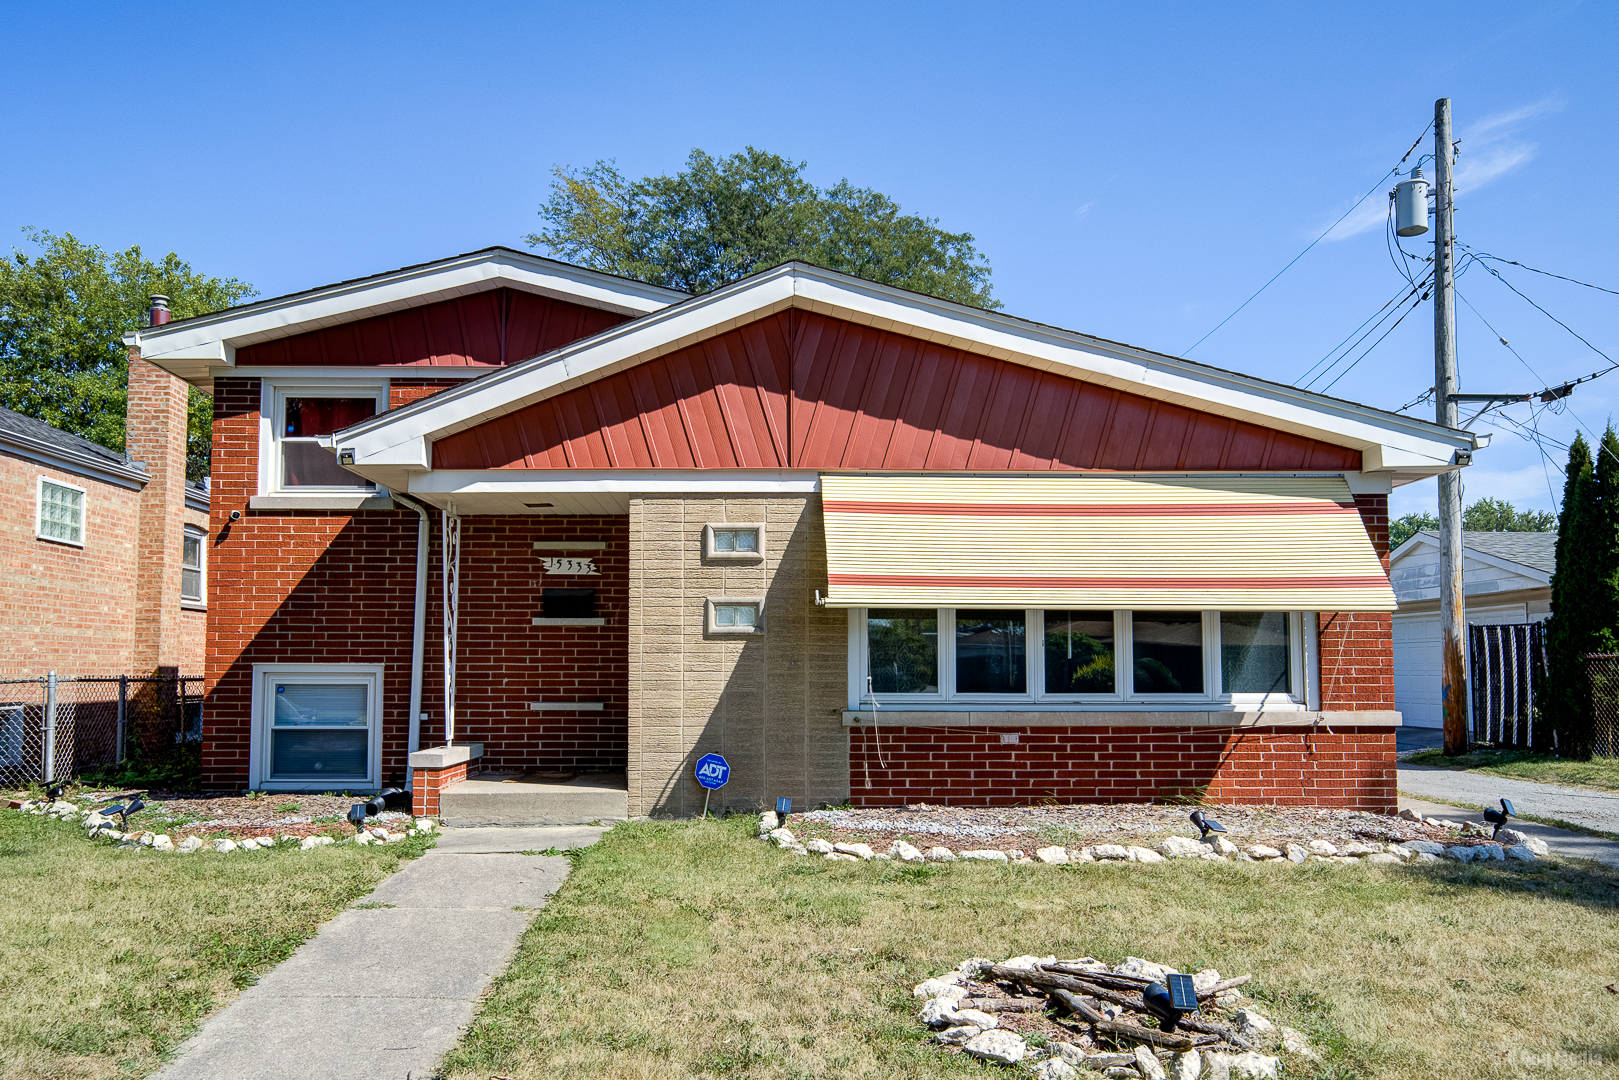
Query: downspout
(418, 640)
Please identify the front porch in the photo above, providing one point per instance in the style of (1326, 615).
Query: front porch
(448, 784)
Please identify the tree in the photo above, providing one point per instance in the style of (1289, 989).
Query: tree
(1403, 529)
(1495, 515)
(725, 218)
(63, 315)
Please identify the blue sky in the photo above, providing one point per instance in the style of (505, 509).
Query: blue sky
(1132, 171)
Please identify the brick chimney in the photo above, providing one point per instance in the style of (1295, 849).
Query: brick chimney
(155, 433)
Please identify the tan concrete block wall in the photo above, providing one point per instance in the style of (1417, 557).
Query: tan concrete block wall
(771, 704)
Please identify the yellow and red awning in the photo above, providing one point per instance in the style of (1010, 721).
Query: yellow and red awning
(1100, 541)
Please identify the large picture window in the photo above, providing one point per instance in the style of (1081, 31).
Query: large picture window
(1179, 659)
(316, 727)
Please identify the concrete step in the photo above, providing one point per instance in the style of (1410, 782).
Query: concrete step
(515, 800)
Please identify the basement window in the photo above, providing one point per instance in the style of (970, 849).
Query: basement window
(316, 727)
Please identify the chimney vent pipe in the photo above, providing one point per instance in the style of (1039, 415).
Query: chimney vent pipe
(160, 310)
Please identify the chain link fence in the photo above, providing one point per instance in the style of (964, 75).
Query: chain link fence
(1603, 671)
(53, 727)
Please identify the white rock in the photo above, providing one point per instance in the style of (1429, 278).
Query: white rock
(1321, 847)
(904, 852)
(1212, 857)
(1294, 1042)
(798, 849)
(224, 845)
(1187, 1065)
(1014, 854)
(147, 839)
(1511, 837)
(1490, 853)
(1423, 856)
(985, 855)
(1296, 854)
(1222, 846)
(859, 851)
(1080, 855)
(998, 1046)
(1381, 857)
(768, 822)
(1399, 852)
(392, 838)
(1252, 1025)
(973, 966)
(820, 847)
(1216, 1065)
(1523, 852)
(929, 989)
(981, 1020)
(1056, 1069)
(1143, 855)
(1410, 815)
(1432, 847)
(1147, 1064)
(160, 842)
(1088, 963)
(363, 838)
(958, 1035)
(1202, 980)
(93, 819)
(188, 845)
(1110, 1061)
(1357, 849)
(1027, 963)
(939, 854)
(1138, 968)
(1025, 861)
(1538, 846)
(309, 843)
(1252, 1066)
(1055, 856)
(1473, 828)
(1113, 852)
(1182, 847)
(1263, 851)
(426, 824)
(939, 1012)
(838, 856)
(782, 837)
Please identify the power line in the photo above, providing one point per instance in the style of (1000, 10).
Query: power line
(1400, 296)
(1497, 275)
(1380, 181)
(1498, 336)
(1513, 262)
(1372, 346)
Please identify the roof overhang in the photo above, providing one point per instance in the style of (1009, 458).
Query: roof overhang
(195, 349)
(78, 464)
(393, 446)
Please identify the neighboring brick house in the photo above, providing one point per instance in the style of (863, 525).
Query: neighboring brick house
(867, 544)
(91, 583)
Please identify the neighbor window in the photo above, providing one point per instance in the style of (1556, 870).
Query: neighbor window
(191, 565)
(729, 540)
(60, 512)
(316, 726)
(304, 413)
(734, 615)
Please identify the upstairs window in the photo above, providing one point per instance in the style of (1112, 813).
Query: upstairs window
(60, 512)
(191, 583)
(303, 414)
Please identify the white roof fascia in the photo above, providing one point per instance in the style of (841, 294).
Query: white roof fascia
(625, 481)
(1412, 544)
(215, 337)
(1402, 445)
(126, 476)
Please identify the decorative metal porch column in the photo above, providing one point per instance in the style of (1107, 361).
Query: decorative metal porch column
(452, 590)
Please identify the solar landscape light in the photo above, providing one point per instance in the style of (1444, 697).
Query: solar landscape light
(1206, 825)
(357, 816)
(1169, 1003)
(123, 811)
(784, 806)
(1498, 818)
(54, 792)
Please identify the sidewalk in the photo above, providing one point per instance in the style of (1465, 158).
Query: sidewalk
(382, 993)
(1561, 841)
(1586, 807)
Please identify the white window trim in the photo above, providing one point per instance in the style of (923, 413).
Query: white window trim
(1301, 666)
(263, 712)
(200, 602)
(39, 512)
(733, 556)
(710, 627)
(273, 394)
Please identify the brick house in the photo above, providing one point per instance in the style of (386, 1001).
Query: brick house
(500, 512)
(103, 553)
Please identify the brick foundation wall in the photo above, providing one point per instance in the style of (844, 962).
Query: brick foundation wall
(1356, 649)
(1344, 767)
(427, 784)
(62, 607)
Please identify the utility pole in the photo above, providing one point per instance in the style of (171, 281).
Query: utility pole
(1452, 617)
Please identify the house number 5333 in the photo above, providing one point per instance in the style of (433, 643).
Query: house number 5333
(570, 566)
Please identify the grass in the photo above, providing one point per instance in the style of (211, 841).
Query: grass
(109, 958)
(693, 950)
(1599, 773)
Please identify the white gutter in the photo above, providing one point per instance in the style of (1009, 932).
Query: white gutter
(418, 640)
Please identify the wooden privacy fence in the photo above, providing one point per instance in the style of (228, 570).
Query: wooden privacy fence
(53, 727)
(1507, 664)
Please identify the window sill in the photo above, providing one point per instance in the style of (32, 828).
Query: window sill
(330, 501)
(568, 622)
(1046, 716)
(193, 605)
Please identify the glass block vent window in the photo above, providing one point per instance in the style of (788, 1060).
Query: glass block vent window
(736, 616)
(734, 540)
(61, 512)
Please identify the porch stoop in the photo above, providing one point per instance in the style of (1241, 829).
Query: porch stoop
(493, 799)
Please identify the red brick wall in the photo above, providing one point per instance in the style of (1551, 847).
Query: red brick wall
(62, 607)
(427, 784)
(156, 434)
(309, 586)
(1344, 767)
(1356, 649)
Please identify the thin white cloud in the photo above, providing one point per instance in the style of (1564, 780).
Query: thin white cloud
(1079, 214)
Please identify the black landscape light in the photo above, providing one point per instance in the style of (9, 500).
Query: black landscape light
(1206, 824)
(1498, 818)
(357, 816)
(124, 811)
(54, 792)
(1158, 1000)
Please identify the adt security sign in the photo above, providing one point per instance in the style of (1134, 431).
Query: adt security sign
(712, 771)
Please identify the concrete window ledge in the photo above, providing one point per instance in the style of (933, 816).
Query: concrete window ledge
(442, 757)
(892, 717)
(366, 501)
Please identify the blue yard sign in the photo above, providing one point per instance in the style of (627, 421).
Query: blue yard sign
(712, 771)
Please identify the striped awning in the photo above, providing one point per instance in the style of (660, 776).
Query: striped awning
(1232, 543)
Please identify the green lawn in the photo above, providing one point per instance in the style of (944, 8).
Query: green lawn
(1600, 773)
(109, 958)
(693, 950)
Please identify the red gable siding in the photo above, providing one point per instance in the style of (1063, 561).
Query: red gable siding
(799, 390)
(486, 329)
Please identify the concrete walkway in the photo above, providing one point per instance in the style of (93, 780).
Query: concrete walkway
(1561, 841)
(382, 993)
(1586, 807)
